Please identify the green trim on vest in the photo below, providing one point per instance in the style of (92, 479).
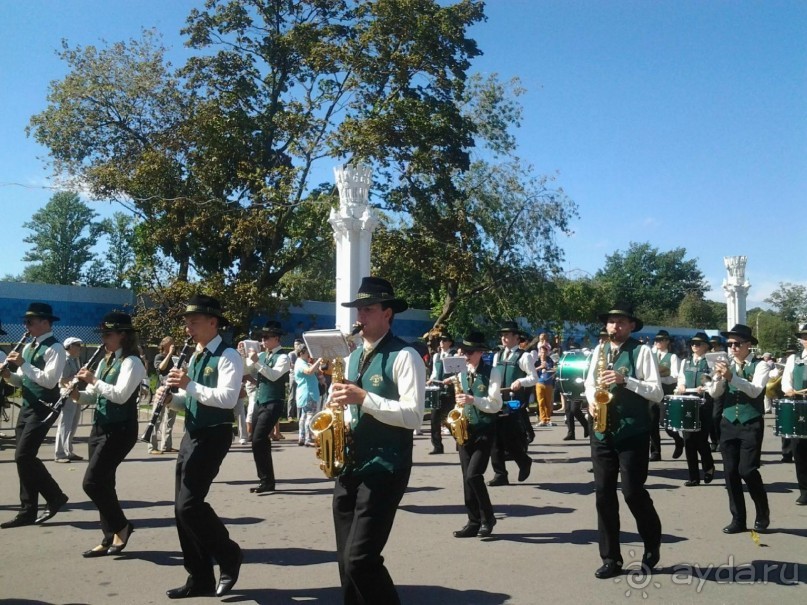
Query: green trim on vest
(106, 412)
(31, 391)
(197, 415)
(630, 411)
(270, 390)
(799, 376)
(666, 360)
(374, 446)
(512, 372)
(739, 407)
(693, 373)
(479, 422)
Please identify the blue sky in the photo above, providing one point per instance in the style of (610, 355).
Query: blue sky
(679, 122)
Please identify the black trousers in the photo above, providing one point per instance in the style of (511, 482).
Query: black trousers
(363, 513)
(799, 449)
(510, 442)
(741, 446)
(264, 419)
(574, 409)
(34, 477)
(474, 457)
(628, 460)
(108, 446)
(203, 537)
(717, 419)
(655, 431)
(697, 443)
(438, 416)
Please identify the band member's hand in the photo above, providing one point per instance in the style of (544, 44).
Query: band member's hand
(15, 357)
(463, 399)
(171, 350)
(681, 390)
(722, 370)
(159, 393)
(700, 391)
(177, 378)
(346, 393)
(87, 376)
(516, 385)
(253, 355)
(612, 377)
(790, 393)
(74, 395)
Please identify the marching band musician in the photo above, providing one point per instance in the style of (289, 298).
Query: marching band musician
(115, 390)
(716, 346)
(742, 427)
(690, 376)
(518, 371)
(480, 400)
(632, 378)
(209, 391)
(668, 364)
(794, 383)
(384, 402)
(446, 402)
(271, 367)
(38, 370)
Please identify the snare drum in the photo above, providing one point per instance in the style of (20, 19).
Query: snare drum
(432, 397)
(683, 413)
(571, 374)
(791, 418)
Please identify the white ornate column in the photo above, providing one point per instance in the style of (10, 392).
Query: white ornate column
(735, 287)
(353, 225)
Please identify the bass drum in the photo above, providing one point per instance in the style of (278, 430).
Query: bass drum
(571, 374)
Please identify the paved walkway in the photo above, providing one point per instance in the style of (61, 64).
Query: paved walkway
(543, 549)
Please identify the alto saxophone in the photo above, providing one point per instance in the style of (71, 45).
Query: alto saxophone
(457, 421)
(329, 428)
(602, 396)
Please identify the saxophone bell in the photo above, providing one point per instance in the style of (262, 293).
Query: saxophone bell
(456, 419)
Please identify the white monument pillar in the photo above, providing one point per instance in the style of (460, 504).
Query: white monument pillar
(736, 287)
(353, 225)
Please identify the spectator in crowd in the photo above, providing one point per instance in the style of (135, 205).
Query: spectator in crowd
(68, 421)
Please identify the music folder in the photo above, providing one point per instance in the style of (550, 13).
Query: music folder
(454, 365)
(326, 344)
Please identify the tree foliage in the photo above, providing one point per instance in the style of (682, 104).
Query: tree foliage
(790, 302)
(216, 157)
(63, 233)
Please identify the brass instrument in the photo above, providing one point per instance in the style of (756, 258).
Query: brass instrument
(602, 396)
(329, 428)
(456, 419)
(184, 356)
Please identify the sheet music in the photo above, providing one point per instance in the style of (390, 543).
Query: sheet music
(454, 365)
(326, 344)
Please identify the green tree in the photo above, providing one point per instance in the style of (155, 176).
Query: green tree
(772, 331)
(696, 312)
(790, 302)
(654, 282)
(63, 233)
(216, 157)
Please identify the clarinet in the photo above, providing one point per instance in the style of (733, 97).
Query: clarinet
(56, 408)
(184, 355)
(17, 348)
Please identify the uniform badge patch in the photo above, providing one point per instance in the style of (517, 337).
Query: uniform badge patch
(209, 371)
(376, 380)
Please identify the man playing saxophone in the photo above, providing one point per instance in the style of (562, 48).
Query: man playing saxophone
(384, 400)
(631, 376)
(480, 400)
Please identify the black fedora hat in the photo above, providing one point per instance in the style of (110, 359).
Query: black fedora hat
(205, 305)
(40, 309)
(741, 331)
(625, 310)
(116, 321)
(375, 290)
(474, 341)
(446, 336)
(662, 335)
(272, 328)
(511, 326)
(802, 332)
(699, 338)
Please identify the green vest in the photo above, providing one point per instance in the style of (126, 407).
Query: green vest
(629, 411)
(739, 407)
(31, 391)
(511, 372)
(375, 446)
(799, 381)
(479, 422)
(107, 412)
(666, 360)
(204, 369)
(270, 390)
(694, 372)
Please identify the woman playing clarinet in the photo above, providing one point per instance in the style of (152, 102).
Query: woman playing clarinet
(115, 390)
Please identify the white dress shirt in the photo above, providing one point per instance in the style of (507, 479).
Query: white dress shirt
(132, 372)
(647, 382)
(49, 376)
(225, 394)
(753, 388)
(787, 373)
(281, 367)
(675, 368)
(492, 403)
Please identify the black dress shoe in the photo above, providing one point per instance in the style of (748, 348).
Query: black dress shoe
(709, 475)
(735, 527)
(679, 449)
(437, 450)
(498, 480)
(651, 558)
(585, 432)
(117, 549)
(92, 553)
(524, 471)
(18, 521)
(52, 509)
(469, 531)
(608, 570)
(486, 529)
(713, 447)
(189, 590)
(263, 487)
(692, 483)
(568, 438)
(229, 577)
(762, 523)
(787, 458)
(655, 457)
(802, 500)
